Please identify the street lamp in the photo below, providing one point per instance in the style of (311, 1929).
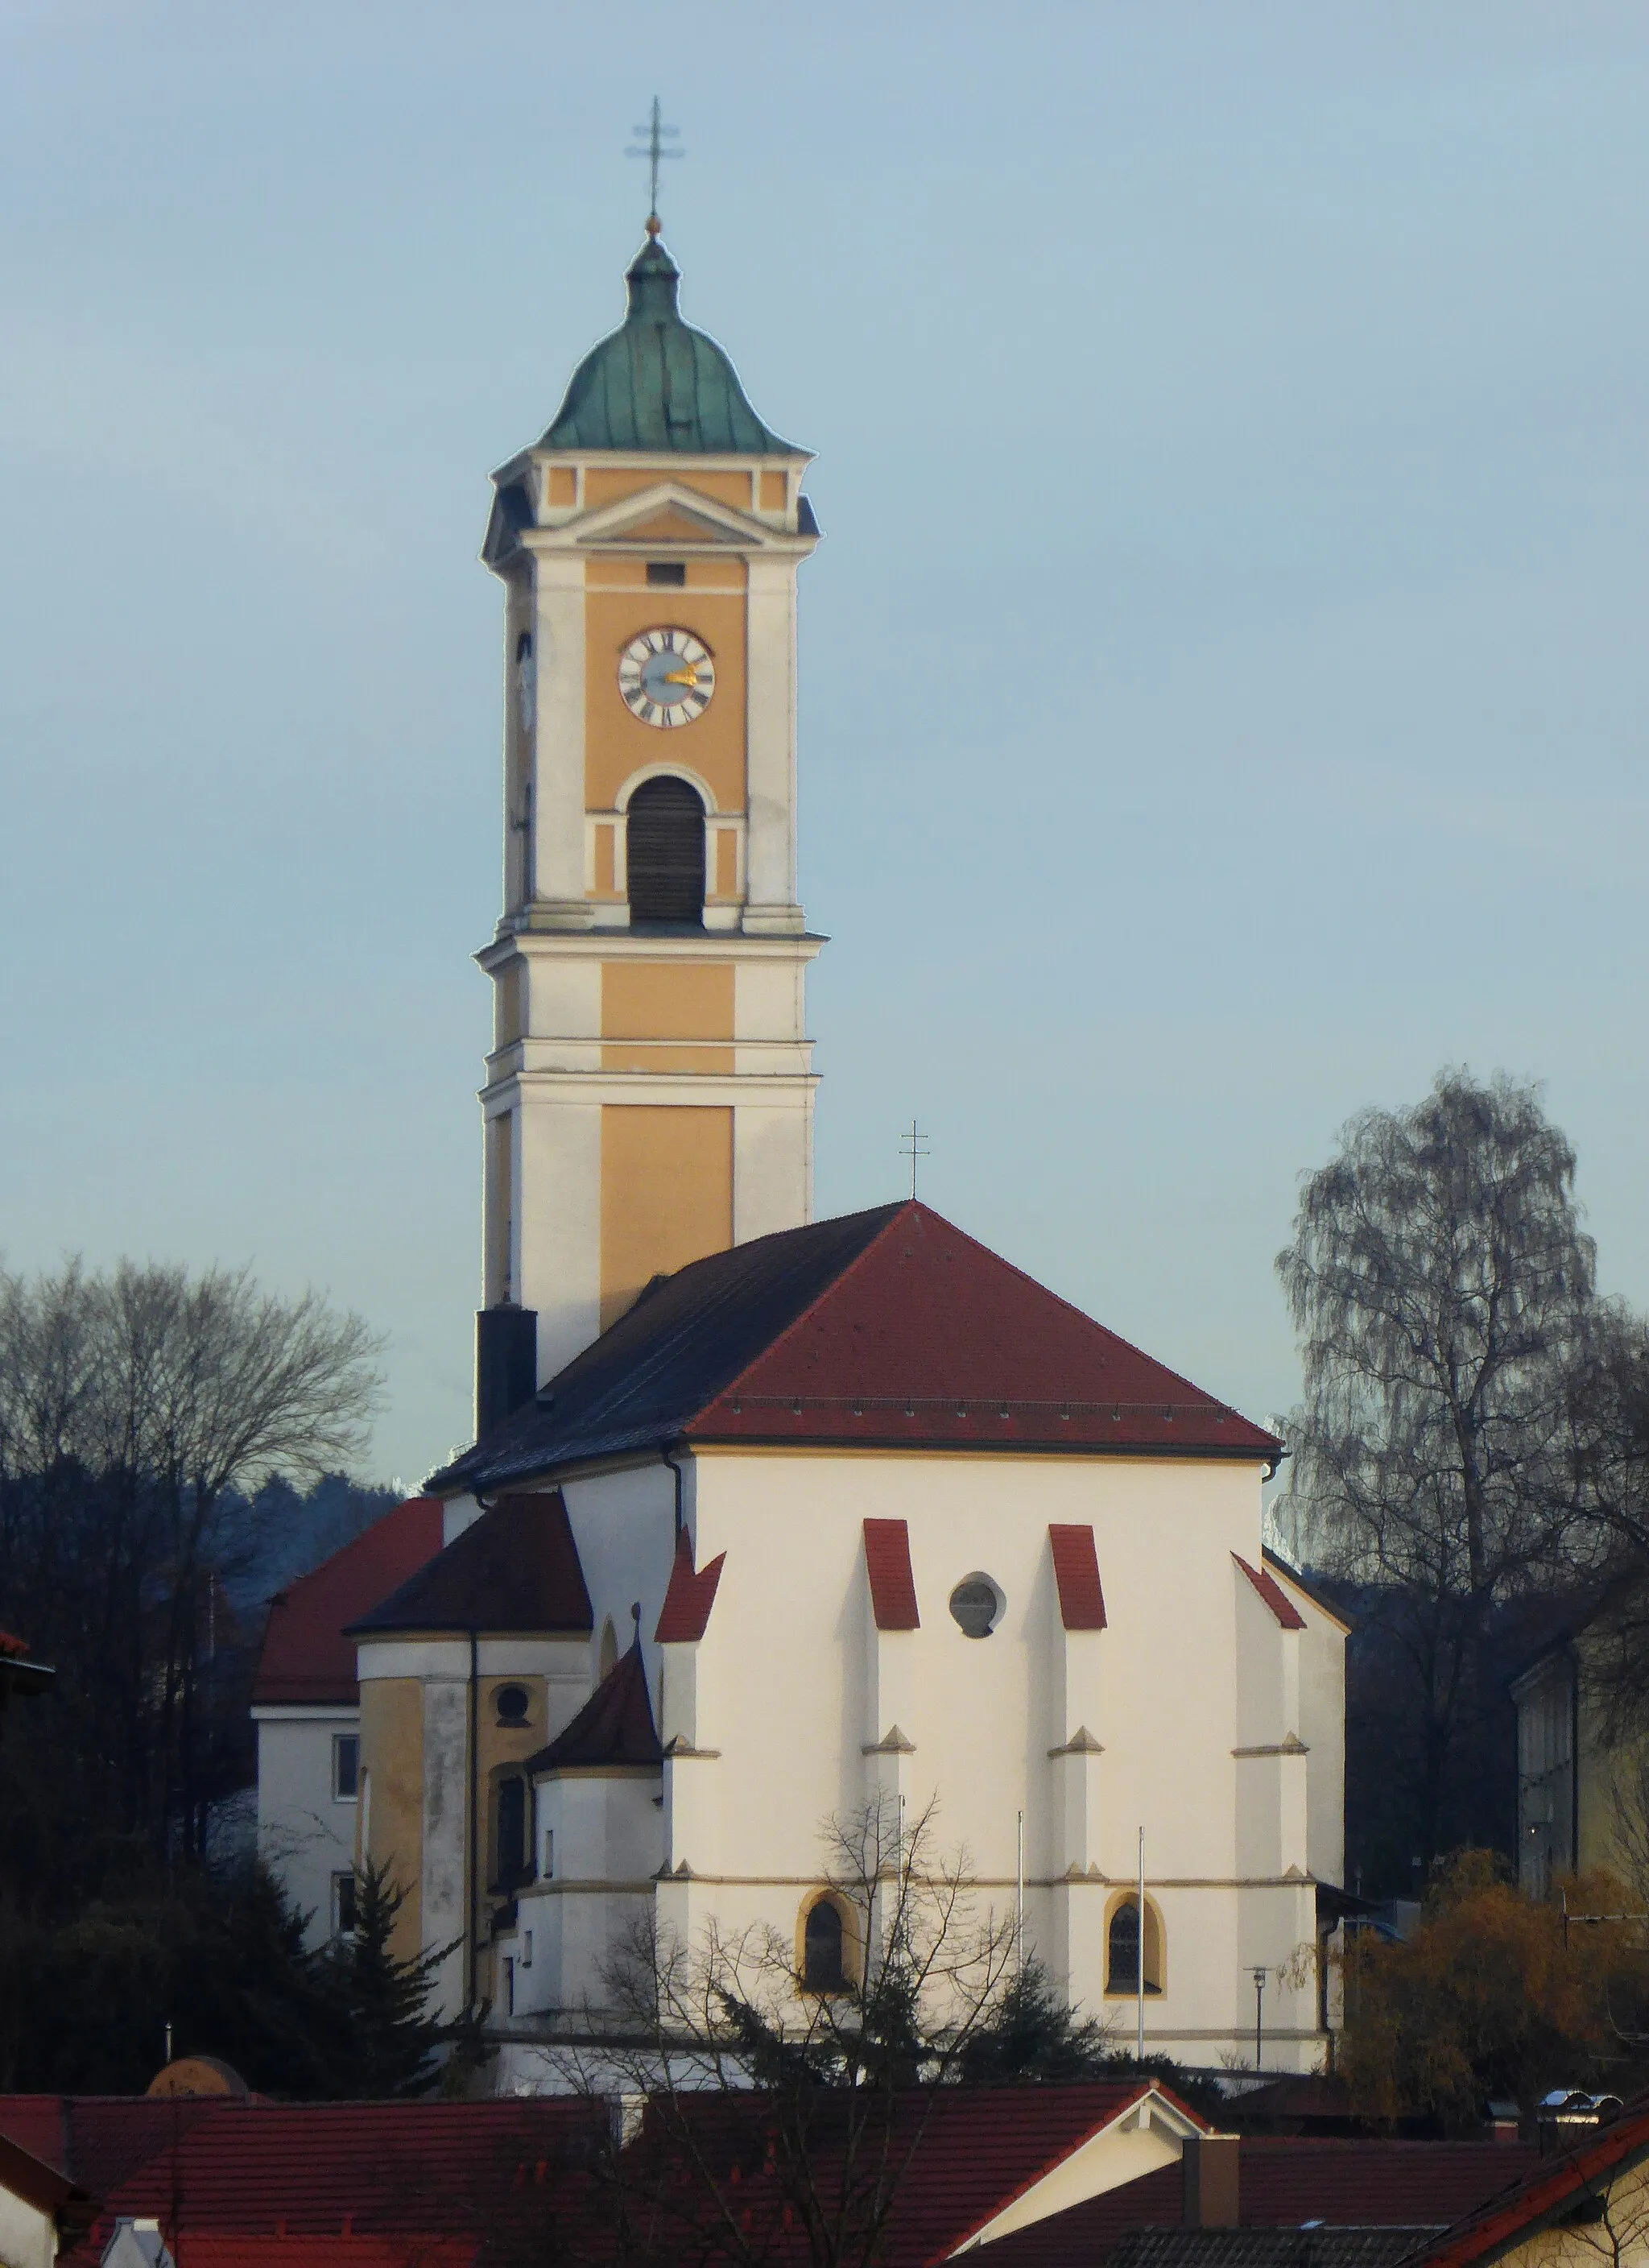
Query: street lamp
(1258, 1975)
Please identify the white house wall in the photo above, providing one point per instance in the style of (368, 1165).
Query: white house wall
(304, 1832)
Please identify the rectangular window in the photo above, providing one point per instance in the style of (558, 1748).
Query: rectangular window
(346, 1766)
(550, 1853)
(509, 1986)
(343, 1905)
(527, 1948)
(672, 572)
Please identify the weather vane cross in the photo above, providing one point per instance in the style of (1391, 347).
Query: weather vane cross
(913, 1144)
(654, 150)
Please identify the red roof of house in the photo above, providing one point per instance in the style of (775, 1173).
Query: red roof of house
(684, 1616)
(1283, 2182)
(417, 2171)
(892, 1584)
(1273, 1594)
(1076, 1572)
(1546, 2189)
(415, 2250)
(10, 1645)
(306, 1657)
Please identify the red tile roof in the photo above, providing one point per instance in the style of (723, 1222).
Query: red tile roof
(887, 1328)
(516, 1568)
(306, 1657)
(242, 2169)
(893, 1585)
(1076, 1572)
(10, 1645)
(1283, 2182)
(614, 1727)
(1545, 2190)
(684, 1616)
(929, 1336)
(415, 2250)
(1273, 1594)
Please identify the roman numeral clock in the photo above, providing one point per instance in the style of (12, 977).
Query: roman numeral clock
(666, 677)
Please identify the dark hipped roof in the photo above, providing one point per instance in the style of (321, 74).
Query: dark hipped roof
(886, 1328)
(306, 1657)
(1321, 2247)
(516, 1568)
(614, 1727)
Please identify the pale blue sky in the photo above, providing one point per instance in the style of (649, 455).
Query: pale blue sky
(1223, 680)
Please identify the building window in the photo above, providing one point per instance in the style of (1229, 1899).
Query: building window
(511, 1703)
(976, 1606)
(665, 853)
(549, 1853)
(509, 1985)
(1122, 1950)
(823, 1967)
(514, 1856)
(346, 1767)
(671, 573)
(343, 1905)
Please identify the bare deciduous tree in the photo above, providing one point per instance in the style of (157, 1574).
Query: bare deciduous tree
(138, 1411)
(1442, 1289)
(780, 2120)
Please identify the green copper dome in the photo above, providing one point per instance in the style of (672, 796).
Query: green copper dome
(657, 384)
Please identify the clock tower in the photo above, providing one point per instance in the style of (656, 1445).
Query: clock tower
(649, 1094)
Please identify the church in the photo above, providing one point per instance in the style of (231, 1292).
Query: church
(768, 1517)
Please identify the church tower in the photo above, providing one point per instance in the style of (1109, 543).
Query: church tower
(649, 1094)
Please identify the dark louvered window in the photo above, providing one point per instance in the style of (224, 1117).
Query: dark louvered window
(665, 853)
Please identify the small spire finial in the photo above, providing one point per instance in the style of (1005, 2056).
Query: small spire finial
(913, 1144)
(654, 150)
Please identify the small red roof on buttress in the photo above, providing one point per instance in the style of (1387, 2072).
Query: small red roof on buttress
(306, 1658)
(1271, 1591)
(684, 1616)
(893, 1583)
(1076, 1572)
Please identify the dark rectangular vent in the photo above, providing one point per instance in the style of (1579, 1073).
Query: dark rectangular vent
(672, 572)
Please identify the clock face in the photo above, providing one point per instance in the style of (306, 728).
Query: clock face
(666, 677)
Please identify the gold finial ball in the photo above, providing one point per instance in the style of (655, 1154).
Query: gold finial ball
(653, 224)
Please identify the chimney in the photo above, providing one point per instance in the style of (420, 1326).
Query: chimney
(1209, 2166)
(506, 1364)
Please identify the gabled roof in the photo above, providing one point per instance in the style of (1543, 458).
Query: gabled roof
(516, 1568)
(306, 1658)
(888, 1329)
(1284, 2182)
(614, 1729)
(1547, 2191)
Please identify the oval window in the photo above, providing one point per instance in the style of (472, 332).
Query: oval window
(976, 1606)
(512, 1703)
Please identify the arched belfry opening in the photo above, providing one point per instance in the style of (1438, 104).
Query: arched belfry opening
(665, 853)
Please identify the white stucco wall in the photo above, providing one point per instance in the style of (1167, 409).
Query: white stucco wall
(305, 1835)
(28, 2237)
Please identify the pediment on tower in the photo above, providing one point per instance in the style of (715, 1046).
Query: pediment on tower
(672, 511)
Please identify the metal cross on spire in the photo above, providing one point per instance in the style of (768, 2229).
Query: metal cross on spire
(913, 1144)
(654, 150)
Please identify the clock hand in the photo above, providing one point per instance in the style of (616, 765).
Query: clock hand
(689, 676)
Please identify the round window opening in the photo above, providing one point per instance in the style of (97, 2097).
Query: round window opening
(976, 1606)
(512, 1702)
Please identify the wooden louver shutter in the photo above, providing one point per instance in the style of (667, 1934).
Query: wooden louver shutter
(665, 853)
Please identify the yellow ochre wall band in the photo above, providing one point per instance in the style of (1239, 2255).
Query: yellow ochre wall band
(667, 1194)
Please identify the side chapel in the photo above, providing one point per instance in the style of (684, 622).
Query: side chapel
(767, 1514)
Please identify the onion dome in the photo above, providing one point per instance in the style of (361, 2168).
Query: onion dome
(657, 384)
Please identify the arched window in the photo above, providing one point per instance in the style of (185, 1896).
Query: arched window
(822, 1969)
(665, 853)
(1122, 1950)
(514, 1866)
